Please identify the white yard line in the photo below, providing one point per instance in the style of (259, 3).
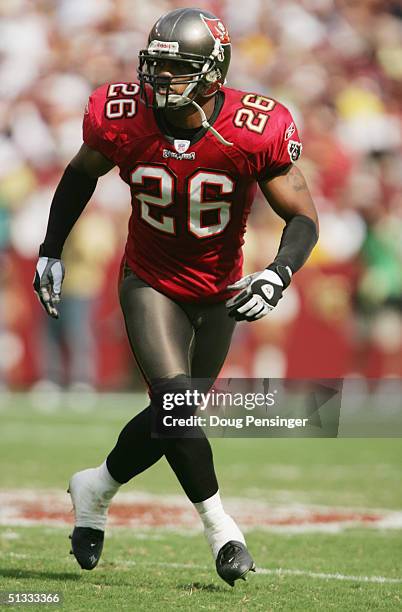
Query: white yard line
(276, 572)
(280, 571)
(323, 576)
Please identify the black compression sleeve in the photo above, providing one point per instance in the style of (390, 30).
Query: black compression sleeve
(297, 242)
(71, 196)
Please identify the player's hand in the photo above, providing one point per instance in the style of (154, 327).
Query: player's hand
(259, 294)
(47, 283)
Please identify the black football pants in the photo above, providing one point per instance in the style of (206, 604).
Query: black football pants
(171, 342)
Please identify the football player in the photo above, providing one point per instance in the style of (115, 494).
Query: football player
(192, 152)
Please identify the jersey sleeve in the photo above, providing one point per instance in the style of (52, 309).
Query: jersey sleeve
(281, 149)
(97, 134)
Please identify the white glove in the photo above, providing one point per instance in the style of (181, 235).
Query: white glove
(261, 293)
(47, 283)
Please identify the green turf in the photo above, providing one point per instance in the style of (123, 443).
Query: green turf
(135, 572)
(42, 449)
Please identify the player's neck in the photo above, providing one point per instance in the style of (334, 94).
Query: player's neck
(189, 117)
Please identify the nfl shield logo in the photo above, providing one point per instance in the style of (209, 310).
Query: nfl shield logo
(181, 146)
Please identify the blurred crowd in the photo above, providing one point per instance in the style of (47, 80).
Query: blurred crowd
(336, 64)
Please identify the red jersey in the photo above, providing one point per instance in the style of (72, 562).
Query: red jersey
(190, 198)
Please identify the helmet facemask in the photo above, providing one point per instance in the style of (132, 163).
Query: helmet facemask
(201, 79)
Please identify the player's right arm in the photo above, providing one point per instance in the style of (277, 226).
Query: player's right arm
(91, 162)
(102, 129)
(71, 196)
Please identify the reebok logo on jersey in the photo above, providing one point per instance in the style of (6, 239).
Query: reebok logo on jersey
(290, 131)
(168, 153)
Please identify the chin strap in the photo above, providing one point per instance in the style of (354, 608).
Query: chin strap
(206, 125)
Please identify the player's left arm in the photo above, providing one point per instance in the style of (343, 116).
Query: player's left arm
(288, 195)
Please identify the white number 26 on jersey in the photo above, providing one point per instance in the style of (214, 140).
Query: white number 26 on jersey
(197, 203)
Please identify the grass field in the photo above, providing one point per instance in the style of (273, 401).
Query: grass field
(314, 564)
